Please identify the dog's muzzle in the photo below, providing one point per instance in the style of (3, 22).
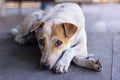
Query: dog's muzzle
(46, 64)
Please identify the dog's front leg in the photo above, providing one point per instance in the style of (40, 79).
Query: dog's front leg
(63, 64)
(89, 63)
(82, 59)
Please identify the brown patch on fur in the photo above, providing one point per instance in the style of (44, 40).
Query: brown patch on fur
(36, 25)
(58, 33)
(43, 48)
(42, 36)
(70, 29)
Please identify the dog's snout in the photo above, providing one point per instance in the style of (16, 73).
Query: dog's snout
(45, 65)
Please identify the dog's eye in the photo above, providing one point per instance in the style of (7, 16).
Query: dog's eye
(58, 43)
(41, 42)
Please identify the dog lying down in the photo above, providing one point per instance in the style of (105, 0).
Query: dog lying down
(60, 32)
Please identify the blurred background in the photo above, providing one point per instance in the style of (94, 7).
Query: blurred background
(14, 7)
(103, 33)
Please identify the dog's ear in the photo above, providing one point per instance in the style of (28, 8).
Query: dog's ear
(69, 29)
(37, 25)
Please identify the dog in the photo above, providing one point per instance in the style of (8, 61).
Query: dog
(61, 36)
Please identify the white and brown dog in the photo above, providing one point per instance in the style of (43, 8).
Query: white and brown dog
(61, 37)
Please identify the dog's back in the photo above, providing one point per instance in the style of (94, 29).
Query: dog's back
(65, 12)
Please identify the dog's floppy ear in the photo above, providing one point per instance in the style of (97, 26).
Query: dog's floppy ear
(69, 29)
(37, 25)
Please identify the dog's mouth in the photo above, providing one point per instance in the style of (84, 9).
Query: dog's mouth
(45, 65)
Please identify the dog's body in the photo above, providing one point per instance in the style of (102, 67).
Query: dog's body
(61, 35)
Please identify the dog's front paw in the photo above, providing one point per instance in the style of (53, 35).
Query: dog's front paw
(61, 67)
(97, 65)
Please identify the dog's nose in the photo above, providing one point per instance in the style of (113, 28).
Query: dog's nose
(45, 65)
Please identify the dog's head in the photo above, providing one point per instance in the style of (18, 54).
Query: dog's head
(53, 40)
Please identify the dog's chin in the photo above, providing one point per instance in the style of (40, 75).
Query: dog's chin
(55, 61)
(52, 67)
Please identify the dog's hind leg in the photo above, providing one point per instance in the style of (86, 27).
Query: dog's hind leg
(64, 63)
(22, 34)
(89, 63)
(14, 31)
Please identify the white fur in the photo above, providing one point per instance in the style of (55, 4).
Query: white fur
(14, 31)
(72, 13)
(65, 12)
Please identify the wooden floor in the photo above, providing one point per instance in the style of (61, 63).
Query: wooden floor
(103, 32)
